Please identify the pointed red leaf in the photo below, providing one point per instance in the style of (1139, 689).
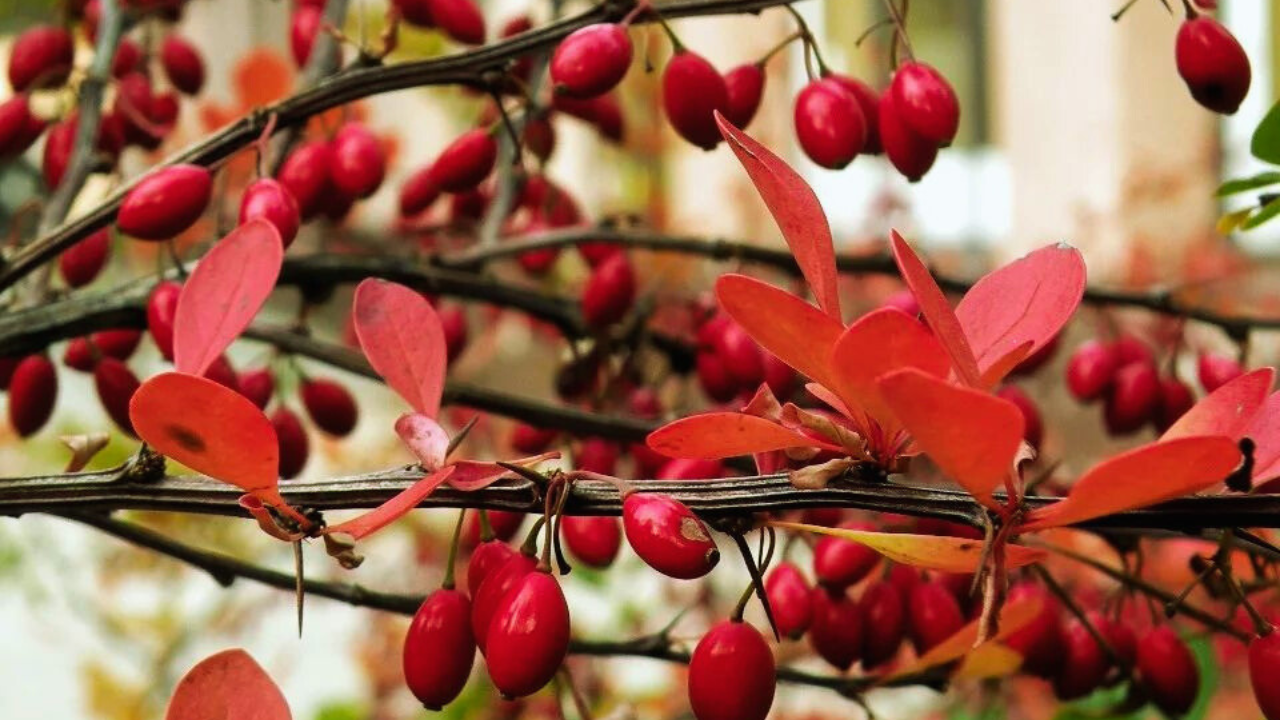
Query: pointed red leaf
(796, 332)
(971, 435)
(425, 439)
(227, 685)
(223, 294)
(1140, 477)
(1227, 411)
(930, 552)
(877, 343)
(401, 335)
(1265, 432)
(936, 310)
(469, 475)
(796, 209)
(393, 509)
(716, 435)
(1028, 300)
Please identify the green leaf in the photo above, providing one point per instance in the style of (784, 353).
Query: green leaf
(1268, 211)
(1239, 185)
(1266, 138)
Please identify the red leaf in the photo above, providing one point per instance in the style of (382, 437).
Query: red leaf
(973, 436)
(936, 310)
(223, 294)
(796, 332)
(393, 509)
(1140, 477)
(470, 475)
(931, 552)
(424, 438)
(1227, 411)
(877, 343)
(1265, 431)
(226, 685)
(795, 208)
(401, 335)
(716, 435)
(1028, 300)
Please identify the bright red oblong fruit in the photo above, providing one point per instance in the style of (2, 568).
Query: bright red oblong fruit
(33, 392)
(1090, 370)
(41, 57)
(829, 124)
(933, 615)
(732, 674)
(305, 174)
(692, 91)
(493, 588)
(528, 636)
(487, 557)
(80, 264)
(459, 19)
(745, 85)
(869, 101)
(839, 563)
(165, 202)
(836, 631)
(591, 60)
(1040, 642)
(1168, 671)
(666, 534)
(1084, 664)
(1212, 64)
(291, 438)
(359, 164)
(909, 152)
(790, 597)
(271, 200)
(162, 307)
(610, 292)
(439, 648)
(594, 541)
(330, 406)
(884, 623)
(115, 384)
(182, 64)
(1264, 662)
(926, 101)
(18, 126)
(465, 162)
(1134, 398)
(304, 25)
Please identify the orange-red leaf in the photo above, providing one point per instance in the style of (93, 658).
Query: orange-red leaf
(798, 333)
(394, 508)
(223, 294)
(1265, 431)
(877, 343)
(401, 335)
(988, 660)
(715, 435)
(1013, 617)
(973, 436)
(1140, 477)
(931, 552)
(936, 310)
(1028, 300)
(227, 685)
(796, 209)
(1227, 411)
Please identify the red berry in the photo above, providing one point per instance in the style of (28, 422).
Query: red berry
(165, 202)
(591, 60)
(779, 376)
(926, 102)
(790, 597)
(221, 372)
(1264, 659)
(41, 57)
(1168, 671)
(603, 112)
(80, 264)
(829, 124)
(1119, 636)
(258, 385)
(609, 293)
(487, 557)
(531, 440)
(459, 19)
(1130, 349)
(692, 92)
(330, 406)
(835, 632)
(884, 623)
(358, 162)
(504, 525)
(714, 377)
(18, 127)
(933, 615)
(905, 578)
(732, 674)
(493, 588)
(33, 391)
(539, 136)
(80, 355)
(162, 305)
(909, 152)
(271, 200)
(466, 161)
(60, 141)
(1091, 369)
(115, 384)
(1175, 400)
(1034, 428)
(742, 357)
(118, 344)
(304, 25)
(126, 59)
(690, 469)
(528, 636)
(133, 102)
(839, 563)
(668, 536)
(418, 192)
(593, 540)
(182, 64)
(1212, 64)
(1134, 398)
(439, 648)
(305, 174)
(869, 102)
(597, 455)
(292, 440)
(1216, 370)
(1084, 664)
(415, 12)
(1040, 642)
(745, 85)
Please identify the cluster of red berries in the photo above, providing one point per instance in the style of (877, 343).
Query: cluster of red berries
(730, 365)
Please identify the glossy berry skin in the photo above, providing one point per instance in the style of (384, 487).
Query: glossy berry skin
(41, 57)
(603, 112)
(742, 357)
(732, 674)
(531, 440)
(1215, 370)
(592, 60)
(465, 162)
(304, 25)
(598, 455)
(182, 64)
(330, 406)
(1040, 642)
(1134, 398)
(503, 524)
(134, 97)
(491, 592)
(666, 534)
(528, 637)
(418, 192)
(118, 344)
(1168, 671)
(1176, 399)
(453, 319)
(358, 164)
(839, 563)
(165, 202)
(1264, 659)
(869, 102)
(745, 85)
(926, 101)
(610, 292)
(1084, 663)
(459, 19)
(829, 124)
(594, 541)
(1090, 370)
(1212, 64)
(80, 264)
(19, 128)
(1033, 431)
(305, 174)
(291, 438)
(221, 372)
(439, 648)
(911, 154)
(714, 377)
(692, 92)
(80, 355)
(933, 615)
(791, 599)
(33, 391)
(115, 384)
(269, 199)
(162, 305)
(487, 557)
(884, 623)
(415, 12)
(836, 630)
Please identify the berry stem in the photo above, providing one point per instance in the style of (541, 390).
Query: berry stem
(517, 150)
(1222, 561)
(530, 545)
(1065, 598)
(447, 583)
(757, 582)
(1115, 16)
(811, 44)
(900, 38)
(641, 7)
(779, 47)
